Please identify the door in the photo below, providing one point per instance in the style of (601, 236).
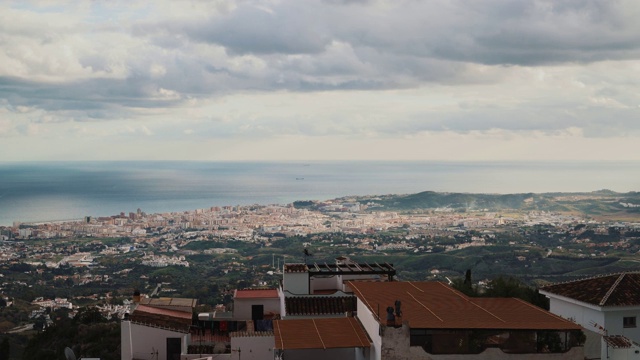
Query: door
(257, 314)
(174, 348)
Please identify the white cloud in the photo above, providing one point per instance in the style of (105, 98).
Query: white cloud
(336, 74)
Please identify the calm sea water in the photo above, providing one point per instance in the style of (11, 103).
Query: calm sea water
(32, 192)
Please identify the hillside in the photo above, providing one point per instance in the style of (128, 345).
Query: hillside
(598, 203)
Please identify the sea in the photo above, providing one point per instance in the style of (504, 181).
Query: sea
(32, 192)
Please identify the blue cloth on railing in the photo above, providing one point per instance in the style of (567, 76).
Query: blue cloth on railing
(264, 325)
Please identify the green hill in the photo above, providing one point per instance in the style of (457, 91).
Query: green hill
(600, 202)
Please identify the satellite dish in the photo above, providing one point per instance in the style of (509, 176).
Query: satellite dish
(68, 353)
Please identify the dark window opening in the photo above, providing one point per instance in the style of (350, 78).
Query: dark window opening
(629, 321)
(509, 341)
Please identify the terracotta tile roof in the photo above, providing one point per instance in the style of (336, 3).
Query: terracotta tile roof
(167, 318)
(256, 294)
(295, 268)
(618, 341)
(164, 312)
(609, 290)
(345, 332)
(316, 305)
(237, 334)
(434, 305)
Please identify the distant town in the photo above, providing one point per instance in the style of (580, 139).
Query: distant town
(205, 254)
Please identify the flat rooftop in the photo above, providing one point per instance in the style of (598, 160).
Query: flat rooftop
(166, 301)
(354, 268)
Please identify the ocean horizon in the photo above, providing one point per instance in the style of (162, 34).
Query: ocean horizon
(55, 191)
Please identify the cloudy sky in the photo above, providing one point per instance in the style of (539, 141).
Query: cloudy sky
(320, 79)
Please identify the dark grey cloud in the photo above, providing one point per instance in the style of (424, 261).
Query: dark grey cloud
(327, 45)
(398, 44)
(502, 31)
(99, 98)
(407, 43)
(291, 29)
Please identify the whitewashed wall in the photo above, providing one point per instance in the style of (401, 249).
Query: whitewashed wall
(252, 347)
(614, 324)
(139, 341)
(632, 353)
(372, 327)
(582, 314)
(325, 283)
(296, 283)
(242, 307)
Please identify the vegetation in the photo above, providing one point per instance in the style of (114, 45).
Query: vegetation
(88, 334)
(531, 255)
(601, 203)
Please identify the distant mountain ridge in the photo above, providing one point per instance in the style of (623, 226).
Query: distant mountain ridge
(594, 203)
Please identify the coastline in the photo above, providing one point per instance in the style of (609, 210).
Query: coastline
(38, 192)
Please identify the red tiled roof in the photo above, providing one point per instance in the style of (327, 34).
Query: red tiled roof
(173, 319)
(618, 341)
(319, 305)
(256, 294)
(434, 305)
(345, 332)
(610, 290)
(163, 312)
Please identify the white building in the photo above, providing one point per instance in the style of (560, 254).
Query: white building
(329, 312)
(322, 279)
(604, 306)
(159, 329)
(256, 304)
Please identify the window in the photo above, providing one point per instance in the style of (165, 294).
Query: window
(418, 337)
(423, 338)
(629, 321)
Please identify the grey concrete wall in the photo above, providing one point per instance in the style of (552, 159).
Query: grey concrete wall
(575, 353)
(320, 354)
(395, 346)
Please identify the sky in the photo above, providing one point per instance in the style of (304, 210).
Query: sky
(280, 80)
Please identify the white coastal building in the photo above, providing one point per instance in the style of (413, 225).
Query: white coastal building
(604, 306)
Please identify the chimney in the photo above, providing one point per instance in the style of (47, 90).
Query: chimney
(398, 305)
(391, 319)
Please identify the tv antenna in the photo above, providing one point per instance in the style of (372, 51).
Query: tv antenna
(69, 354)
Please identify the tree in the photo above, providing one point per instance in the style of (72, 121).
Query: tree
(512, 287)
(89, 315)
(39, 323)
(467, 277)
(91, 339)
(465, 286)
